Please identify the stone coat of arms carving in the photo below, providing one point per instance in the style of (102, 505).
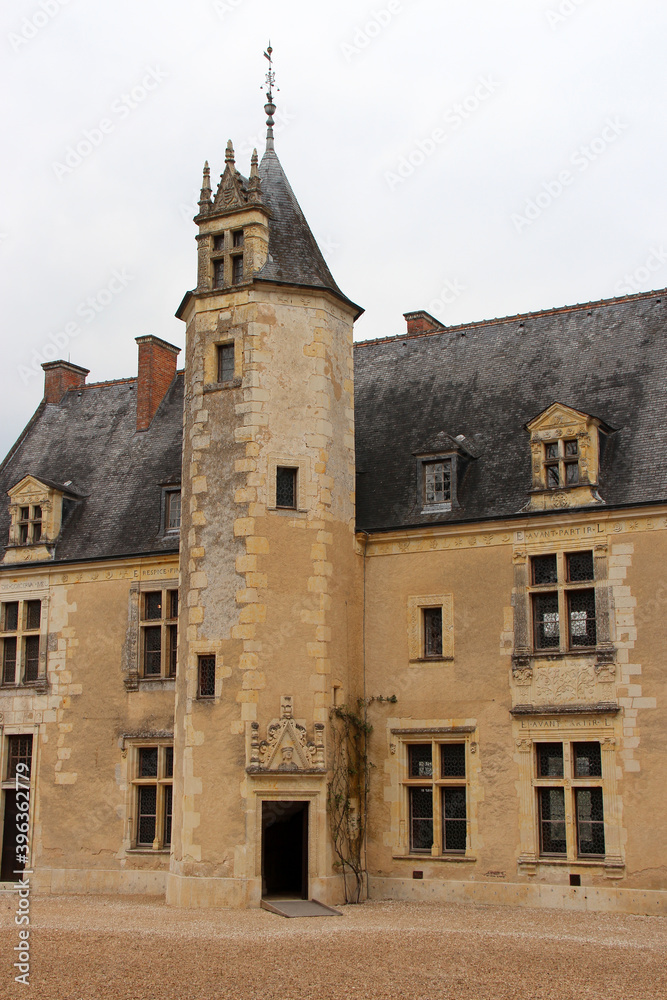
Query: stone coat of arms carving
(287, 747)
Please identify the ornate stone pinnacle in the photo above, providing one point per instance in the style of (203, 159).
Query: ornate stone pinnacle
(229, 153)
(205, 196)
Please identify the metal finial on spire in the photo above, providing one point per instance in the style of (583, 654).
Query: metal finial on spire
(269, 107)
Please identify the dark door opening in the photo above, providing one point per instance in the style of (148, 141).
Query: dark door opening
(285, 849)
(9, 866)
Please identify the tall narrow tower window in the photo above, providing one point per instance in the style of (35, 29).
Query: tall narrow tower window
(237, 238)
(225, 362)
(219, 273)
(286, 487)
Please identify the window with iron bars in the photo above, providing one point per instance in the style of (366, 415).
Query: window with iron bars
(563, 601)
(152, 781)
(206, 677)
(286, 487)
(20, 623)
(159, 633)
(570, 810)
(436, 790)
(432, 625)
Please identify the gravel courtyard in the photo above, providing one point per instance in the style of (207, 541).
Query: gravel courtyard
(84, 948)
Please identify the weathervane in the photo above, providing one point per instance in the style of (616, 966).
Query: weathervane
(269, 107)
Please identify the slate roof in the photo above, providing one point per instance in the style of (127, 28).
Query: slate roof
(294, 256)
(90, 439)
(413, 394)
(487, 380)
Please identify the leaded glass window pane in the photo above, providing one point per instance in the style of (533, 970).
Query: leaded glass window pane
(33, 614)
(545, 569)
(285, 487)
(225, 362)
(206, 676)
(579, 566)
(571, 473)
(174, 510)
(153, 605)
(553, 477)
(453, 760)
(590, 820)
(546, 621)
(581, 612)
(147, 814)
(173, 603)
(454, 819)
(237, 269)
(587, 760)
(168, 762)
(19, 752)
(31, 658)
(437, 482)
(173, 649)
(219, 273)
(148, 762)
(219, 242)
(152, 651)
(549, 760)
(421, 761)
(432, 631)
(571, 448)
(552, 821)
(167, 814)
(237, 238)
(9, 660)
(11, 616)
(551, 450)
(421, 819)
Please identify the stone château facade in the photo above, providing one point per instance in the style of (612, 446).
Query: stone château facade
(464, 527)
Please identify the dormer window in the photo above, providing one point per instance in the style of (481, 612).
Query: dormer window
(437, 482)
(30, 524)
(174, 510)
(561, 463)
(566, 449)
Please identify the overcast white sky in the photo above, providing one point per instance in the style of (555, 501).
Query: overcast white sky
(474, 158)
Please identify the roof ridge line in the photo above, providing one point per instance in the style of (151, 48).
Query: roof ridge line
(554, 310)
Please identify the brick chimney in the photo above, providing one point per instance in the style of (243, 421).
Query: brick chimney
(421, 322)
(157, 368)
(59, 377)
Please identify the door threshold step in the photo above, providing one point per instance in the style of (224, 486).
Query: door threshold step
(300, 908)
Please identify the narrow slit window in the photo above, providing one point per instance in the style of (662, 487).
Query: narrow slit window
(432, 632)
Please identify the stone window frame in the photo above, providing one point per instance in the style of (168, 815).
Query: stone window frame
(168, 625)
(568, 729)
(21, 633)
(131, 747)
(10, 732)
(524, 650)
(302, 467)
(224, 254)
(212, 362)
(436, 736)
(416, 644)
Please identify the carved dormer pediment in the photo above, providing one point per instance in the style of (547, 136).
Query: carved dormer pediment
(566, 450)
(232, 189)
(286, 747)
(36, 516)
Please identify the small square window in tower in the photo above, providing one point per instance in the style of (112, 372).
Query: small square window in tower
(286, 487)
(225, 362)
